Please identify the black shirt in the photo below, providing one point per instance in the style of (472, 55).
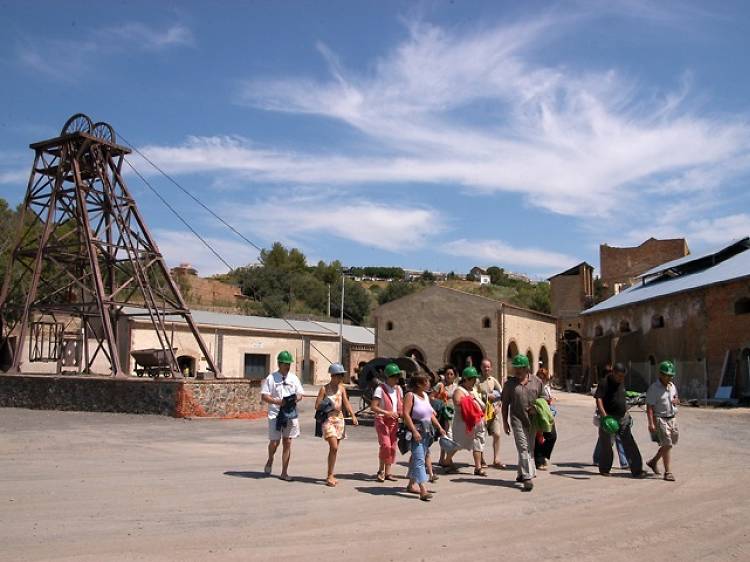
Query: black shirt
(612, 394)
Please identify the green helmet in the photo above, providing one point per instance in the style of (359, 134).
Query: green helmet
(470, 373)
(521, 361)
(285, 357)
(610, 424)
(667, 368)
(392, 370)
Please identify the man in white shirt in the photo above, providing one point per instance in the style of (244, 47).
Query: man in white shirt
(661, 408)
(275, 388)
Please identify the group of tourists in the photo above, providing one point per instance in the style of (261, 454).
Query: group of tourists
(459, 411)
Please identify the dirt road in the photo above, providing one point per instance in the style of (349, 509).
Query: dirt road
(96, 487)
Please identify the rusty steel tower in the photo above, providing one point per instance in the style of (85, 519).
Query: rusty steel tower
(84, 261)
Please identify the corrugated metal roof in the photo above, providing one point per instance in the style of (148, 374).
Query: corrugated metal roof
(736, 267)
(352, 334)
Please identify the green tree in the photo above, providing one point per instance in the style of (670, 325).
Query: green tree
(396, 290)
(428, 276)
(357, 301)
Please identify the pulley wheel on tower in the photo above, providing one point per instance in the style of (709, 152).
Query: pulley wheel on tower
(78, 123)
(104, 131)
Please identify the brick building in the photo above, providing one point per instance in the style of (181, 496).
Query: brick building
(439, 325)
(694, 311)
(621, 266)
(571, 292)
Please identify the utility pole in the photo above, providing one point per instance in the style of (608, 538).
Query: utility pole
(341, 322)
(329, 300)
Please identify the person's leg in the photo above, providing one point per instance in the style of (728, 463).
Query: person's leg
(549, 443)
(597, 452)
(531, 443)
(333, 448)
(631, 450)
(392, 440)
(521, 438)
(623, 457)
(383, 447)
(496, 448)
(666, 454)
(605, 452)
(272, 446)
(286, 454)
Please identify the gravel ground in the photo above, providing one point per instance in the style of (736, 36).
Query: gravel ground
(97, 487)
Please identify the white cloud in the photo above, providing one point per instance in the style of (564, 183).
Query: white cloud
(42, 55)
(179, 246)
(14, 176)
(394, 228)
(502, 254)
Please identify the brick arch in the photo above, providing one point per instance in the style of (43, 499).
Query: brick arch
(450, 348)
(405, 352)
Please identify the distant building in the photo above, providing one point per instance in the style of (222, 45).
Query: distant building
(475, 273)
(621, 266)
(571, 292)
(484, 279)
(439, 325)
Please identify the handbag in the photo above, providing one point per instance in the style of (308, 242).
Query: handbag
(403, 436)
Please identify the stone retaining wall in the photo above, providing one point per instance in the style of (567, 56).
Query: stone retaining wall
(222, 398)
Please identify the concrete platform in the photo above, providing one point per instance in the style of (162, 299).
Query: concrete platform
(97, 487)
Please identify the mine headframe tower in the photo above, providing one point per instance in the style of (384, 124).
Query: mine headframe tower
(83, 260)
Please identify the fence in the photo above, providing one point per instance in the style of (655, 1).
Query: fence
(691, 379)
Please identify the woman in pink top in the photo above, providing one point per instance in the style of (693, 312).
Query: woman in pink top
(422, 423)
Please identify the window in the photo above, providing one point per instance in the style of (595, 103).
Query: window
(742, 306)
(624, 326)
(657, 321)
(598, 332)
(486, 322)
(389, 325)
(256, 366)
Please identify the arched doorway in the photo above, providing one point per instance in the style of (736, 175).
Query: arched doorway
(543, 357)
(571, 357)
(186, 365)
(414, 353)
(532, 365)
(512, 351)
(464, 353)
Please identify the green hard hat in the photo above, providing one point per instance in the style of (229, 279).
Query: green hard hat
(521, 361)
(392, 370)
(285, 357)
(610, 424)
(666, 368)
(470, 373)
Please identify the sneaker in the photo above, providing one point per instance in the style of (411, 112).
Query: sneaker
(528, 485)
(519, 478)
(641, 474)
(604, 473)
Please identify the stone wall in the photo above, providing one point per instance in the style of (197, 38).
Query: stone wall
(531, 333)
(165, 397)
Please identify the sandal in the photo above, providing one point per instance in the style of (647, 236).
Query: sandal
(652, 464)
(434, 478)
(499, 465)
(391, 478)
(480, 472)
(450, 469)
(380, 477)
(426, 497)
(669, 477)
(331, 482)
(267, 468)
(411, 490)
(285, 478)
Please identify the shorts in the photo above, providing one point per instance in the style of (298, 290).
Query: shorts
(667, 432)
(494, 427)
(291, 431)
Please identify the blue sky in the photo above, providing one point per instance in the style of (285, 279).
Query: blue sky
(435, 135)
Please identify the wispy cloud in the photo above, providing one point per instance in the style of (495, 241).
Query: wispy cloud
(178, 246)
(390, 227)
(42, 55)
(498, 252)
(571, 142)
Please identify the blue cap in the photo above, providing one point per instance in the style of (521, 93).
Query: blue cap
(336, 369)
